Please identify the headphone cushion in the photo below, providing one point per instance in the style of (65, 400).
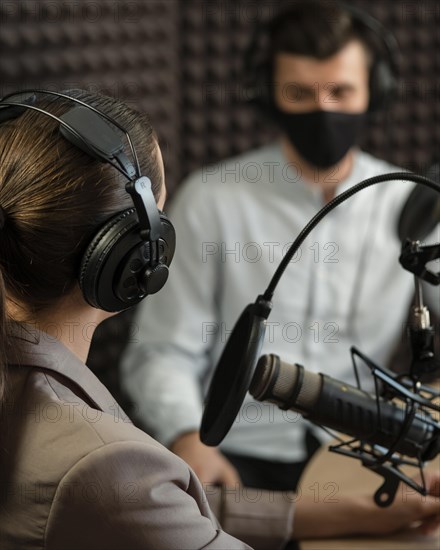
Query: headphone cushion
(111, 269)
(98, 251)
(383, 86)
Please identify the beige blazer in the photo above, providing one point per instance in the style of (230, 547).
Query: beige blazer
(76, 473)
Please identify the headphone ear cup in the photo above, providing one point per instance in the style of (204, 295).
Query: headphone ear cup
(257, 70)
(260, 93)
(383, 86)
(116, 268)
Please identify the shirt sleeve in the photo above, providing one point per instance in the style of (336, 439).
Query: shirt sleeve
(133, 495)
(168, 356)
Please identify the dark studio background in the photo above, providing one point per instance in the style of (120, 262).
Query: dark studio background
(180, 61)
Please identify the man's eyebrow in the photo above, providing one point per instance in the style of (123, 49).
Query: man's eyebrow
(300, 87)
(340, 87)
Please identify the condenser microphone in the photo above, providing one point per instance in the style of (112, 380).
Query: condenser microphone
(334, 404)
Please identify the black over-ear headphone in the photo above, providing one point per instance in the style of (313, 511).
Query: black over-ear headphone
(128, 257)
(383, 82)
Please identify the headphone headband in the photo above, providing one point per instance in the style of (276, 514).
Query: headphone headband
(378, 29)
(30, 93)
(83, 127)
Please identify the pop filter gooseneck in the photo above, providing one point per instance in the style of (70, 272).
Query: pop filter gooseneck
(235, 369)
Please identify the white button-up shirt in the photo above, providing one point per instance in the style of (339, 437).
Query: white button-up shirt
(234, 222)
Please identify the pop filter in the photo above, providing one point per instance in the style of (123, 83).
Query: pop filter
(234, 372)
(421, 212)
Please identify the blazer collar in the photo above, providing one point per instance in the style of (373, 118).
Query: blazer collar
(34, 348)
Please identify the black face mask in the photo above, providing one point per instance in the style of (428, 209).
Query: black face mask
(322, 138)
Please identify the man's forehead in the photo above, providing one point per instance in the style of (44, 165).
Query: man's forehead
(350, 60)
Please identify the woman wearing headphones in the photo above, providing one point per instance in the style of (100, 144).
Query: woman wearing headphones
(74, 472)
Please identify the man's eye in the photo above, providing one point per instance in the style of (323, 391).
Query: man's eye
(340, 92)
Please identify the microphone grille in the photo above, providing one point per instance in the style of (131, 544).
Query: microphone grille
(285, 384)
(286, 381)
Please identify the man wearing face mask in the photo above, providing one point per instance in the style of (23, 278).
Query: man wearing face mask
(239, 216)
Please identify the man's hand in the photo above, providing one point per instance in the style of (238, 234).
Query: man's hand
(359, 515)
(410, 509)
(207, 462)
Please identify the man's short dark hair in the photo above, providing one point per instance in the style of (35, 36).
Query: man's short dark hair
(317, 29)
